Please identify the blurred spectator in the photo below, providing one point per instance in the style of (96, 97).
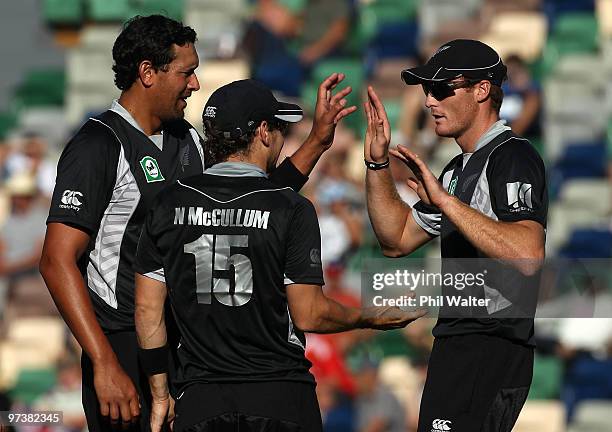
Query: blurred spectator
(21, 240)
(341, 226)
(284, 44)
(337, 411)
(65, 397)
(377, 409)
(522, 99)
(267, 43)
(323, 29)
(31, 157)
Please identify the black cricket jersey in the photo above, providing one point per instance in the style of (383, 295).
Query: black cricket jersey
(226, 247)
(107, 177)
(504, 179)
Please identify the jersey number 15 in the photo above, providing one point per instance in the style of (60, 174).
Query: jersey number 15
(234, 284)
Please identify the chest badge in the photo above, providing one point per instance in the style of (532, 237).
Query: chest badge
(151, 169)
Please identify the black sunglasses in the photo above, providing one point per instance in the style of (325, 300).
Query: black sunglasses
(443, 89)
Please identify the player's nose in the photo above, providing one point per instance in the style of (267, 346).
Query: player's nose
(194, 83)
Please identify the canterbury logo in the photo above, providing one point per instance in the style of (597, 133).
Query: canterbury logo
(440, 425)
(71, 198)
(210, 111)
(519, 196)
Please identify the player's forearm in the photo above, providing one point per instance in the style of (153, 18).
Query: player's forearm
(333, 317)
(159, 386)
(149, 316)
(70, 294)
(386, 209)
(150, 326)
(495, 239)
(309, 153)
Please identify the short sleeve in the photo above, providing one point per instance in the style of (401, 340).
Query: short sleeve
(303, 257)
(517, 183)
(427, 217)
(86, 176)
(286, 174)
(148, 256)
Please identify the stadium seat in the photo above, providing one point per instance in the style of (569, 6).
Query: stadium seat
(170, 8)
(294, 6)
(575, 32)
(579, 160)
(592, 194)
(541, 416)
(84, 100)
(434, 14)
(108, 10)
(592, 415)
(609, 134)
(572, 33)
(88, 66)
(7, 122)
(547, 372)
(46, 333)
(354, 71)
(63, 12)
(218, 25)
(588, 243)
(604, 17)
(520, 33)
(33, 383)
(563, 219)
(99, 36)
(41, 87)
(561, 131)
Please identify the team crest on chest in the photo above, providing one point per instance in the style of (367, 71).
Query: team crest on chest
(151, 169)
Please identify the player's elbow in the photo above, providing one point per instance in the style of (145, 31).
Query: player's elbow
(47, 265)
(532, 263)
(310, 322)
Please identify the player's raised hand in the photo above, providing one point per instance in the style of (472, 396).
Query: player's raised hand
(116, 393)
(390, 317)
(426, 185)
(330, 109)
(378, 132)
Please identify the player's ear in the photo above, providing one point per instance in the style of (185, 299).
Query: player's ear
(482, 90)
(146, 73)
(264, 133)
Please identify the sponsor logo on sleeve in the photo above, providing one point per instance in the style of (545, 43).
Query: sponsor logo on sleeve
(440, 425)
(315, 256)
(519, 197)
(151, 169)
(72, 200)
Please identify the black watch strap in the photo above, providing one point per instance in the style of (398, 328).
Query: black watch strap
(376, 166)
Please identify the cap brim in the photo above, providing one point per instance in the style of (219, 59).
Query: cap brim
(288, 112)
(426, 73)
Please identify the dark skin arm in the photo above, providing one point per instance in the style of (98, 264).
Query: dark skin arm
(329, 110)
(63, 247)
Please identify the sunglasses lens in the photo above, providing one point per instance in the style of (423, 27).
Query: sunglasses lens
(437, 90)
